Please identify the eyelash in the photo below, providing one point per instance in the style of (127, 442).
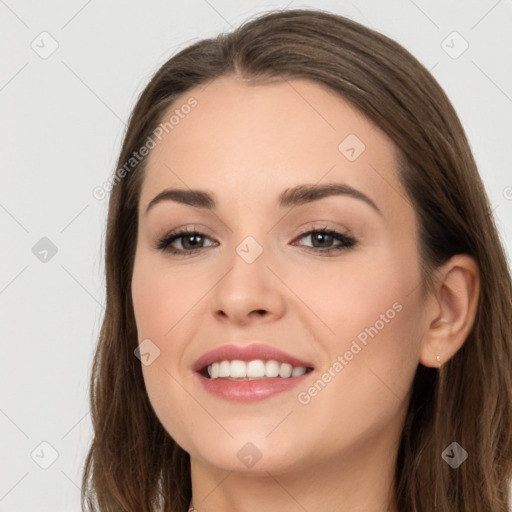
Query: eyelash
(347, 242)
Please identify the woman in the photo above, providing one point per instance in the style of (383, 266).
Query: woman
(308, 304)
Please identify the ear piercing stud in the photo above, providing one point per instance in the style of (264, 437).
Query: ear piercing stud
(438, 359)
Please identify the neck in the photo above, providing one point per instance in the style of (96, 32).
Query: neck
(360, 480)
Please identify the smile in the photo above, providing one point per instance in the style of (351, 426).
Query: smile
(253, 370)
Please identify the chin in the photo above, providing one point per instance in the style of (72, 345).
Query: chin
(250, 454)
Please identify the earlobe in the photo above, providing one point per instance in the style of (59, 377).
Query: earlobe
(454, 303)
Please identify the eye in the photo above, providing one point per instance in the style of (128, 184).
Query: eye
(191, 241)
(324, 238)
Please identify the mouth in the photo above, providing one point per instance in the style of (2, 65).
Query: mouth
(256, 369)
(251, 372)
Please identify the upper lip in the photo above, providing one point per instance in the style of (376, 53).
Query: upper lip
(247, 353)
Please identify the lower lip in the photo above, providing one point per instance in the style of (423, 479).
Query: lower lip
(250, 390)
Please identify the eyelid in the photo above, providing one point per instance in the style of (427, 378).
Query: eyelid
(193, 227)
(326, 224)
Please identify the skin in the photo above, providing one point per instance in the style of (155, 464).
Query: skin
(246, 144)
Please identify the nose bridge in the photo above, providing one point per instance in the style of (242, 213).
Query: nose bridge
(250, 249)
(249, 230)
(249, 285)
(249, 274)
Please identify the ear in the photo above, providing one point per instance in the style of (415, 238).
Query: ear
(451, 310)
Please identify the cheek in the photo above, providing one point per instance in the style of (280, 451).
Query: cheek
(368, 314)
(164, 303)
(162, 298)
(159, 305)
(356, 296)
(366, 376)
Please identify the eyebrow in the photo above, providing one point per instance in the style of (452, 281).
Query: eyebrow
(290, 197)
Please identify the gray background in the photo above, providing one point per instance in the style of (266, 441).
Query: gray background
(63, 117)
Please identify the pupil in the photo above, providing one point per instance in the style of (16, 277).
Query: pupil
(191, 237)
(323, 235)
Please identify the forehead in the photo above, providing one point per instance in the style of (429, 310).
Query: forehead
(243, 139)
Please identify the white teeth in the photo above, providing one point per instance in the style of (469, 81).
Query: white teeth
(298, 371)
(272, 368)
(285, 370)
(255, 369)
(237, 369)
(224, 369)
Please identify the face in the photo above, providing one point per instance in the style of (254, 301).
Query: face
(258, 277)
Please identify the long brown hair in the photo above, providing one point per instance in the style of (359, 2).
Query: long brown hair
(133, 464)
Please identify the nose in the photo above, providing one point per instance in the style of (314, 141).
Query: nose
(249, 292)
